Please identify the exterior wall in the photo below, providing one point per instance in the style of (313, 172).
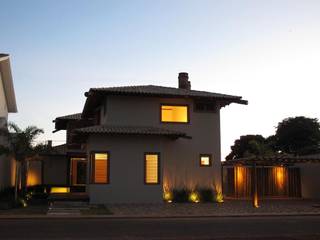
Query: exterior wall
(181, 166)
(126, 161)
(4, 166)
(7, 98)
(34, 173)
(3, 101)
(55, 170)
(310, 178)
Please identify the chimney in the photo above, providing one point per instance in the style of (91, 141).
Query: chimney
(50, 143)
(184, 82)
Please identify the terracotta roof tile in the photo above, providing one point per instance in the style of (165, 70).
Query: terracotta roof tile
(152, 90)
(75, 116)
(131, 130)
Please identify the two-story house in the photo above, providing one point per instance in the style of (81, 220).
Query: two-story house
(7, 105)
(130, 144)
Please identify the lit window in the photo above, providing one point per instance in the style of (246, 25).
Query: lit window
(151, 168)
(178, 114)
(99, 168)
(205, 160)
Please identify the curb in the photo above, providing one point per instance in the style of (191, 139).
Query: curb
(155, 216)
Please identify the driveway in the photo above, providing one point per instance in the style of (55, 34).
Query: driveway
(286, 228)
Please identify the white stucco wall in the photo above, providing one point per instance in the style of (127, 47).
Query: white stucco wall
(180, 158)
(3, 101)
(310, 178)
(126, 160)
(5, 163)
(182, 167)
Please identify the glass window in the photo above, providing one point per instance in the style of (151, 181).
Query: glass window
(100, 168)
(152, 168)
(178, 114)
(205, 160)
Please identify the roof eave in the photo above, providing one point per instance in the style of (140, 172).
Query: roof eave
(7, 80)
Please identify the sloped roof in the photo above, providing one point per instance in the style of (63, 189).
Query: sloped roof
(131, 130)
(152, 90)
(61, 122)
(6, 76)
(75, 116)
(94, 95)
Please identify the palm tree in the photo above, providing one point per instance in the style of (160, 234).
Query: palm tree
(21, 147)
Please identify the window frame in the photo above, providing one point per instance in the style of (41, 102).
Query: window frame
(145, 168)
(175, 105)
(205, 155)
(92, 164)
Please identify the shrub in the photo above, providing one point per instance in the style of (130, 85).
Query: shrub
(181, 195)
(206, 195)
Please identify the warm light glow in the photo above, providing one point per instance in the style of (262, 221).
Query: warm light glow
(24, 203)
(255, 200)
(100, 167)
(60, 190)
(219, 197)
(33, 178)
(152, 167)
(168, 196)
(194, 197)
(174, 113)
(280, 177)
(239, 177)
(205, 160)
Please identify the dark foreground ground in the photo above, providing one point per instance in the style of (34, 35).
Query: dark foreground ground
(285, 228)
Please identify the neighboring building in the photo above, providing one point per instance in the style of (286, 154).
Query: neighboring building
(277, 176)
(7, 105)
(130, 144)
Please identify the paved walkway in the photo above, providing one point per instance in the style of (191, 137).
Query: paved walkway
(165, 210)
(228, 208)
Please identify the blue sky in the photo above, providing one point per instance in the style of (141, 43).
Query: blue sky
(266, 51)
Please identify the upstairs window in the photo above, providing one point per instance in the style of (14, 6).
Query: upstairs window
(152, 168)
(174, 114)
(100, 168)
(200, 106)
(205, 160)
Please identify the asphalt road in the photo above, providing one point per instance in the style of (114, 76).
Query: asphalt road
(284, 228)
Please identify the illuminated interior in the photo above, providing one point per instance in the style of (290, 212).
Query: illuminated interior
(280, 177)
(177, 114)
(60, 190)
(33, 178)
(205, 160)
(100, 168)
(151, 168)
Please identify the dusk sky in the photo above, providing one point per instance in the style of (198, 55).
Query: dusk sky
(266, 51)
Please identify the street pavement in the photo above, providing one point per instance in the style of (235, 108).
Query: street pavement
(231, 228)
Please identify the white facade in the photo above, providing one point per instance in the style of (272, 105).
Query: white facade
(7, 105)
(179, 158)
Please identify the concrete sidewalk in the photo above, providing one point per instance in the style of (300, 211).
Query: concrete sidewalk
(230, 208)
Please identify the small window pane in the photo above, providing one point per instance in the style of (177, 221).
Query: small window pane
(205, 160)
(174, 113)
(151, 168)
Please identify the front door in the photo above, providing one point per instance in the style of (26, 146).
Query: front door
(78, 171)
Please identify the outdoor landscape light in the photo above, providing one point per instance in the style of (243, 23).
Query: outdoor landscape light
(194, 197)
(167, 196)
